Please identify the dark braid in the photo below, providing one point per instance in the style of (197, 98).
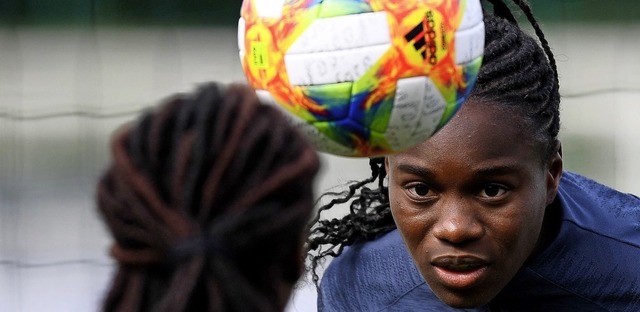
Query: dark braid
(208, 197)
(369, 215)
(516, 73)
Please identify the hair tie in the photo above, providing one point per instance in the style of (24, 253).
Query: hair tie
(196, 245)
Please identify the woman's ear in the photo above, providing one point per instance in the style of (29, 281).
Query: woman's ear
(554, 167)
(386, 164)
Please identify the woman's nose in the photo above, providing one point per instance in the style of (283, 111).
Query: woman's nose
(458, 223)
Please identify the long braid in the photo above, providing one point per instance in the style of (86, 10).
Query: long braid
(198, 189)
(516, 72)
(369, 215)
(526, 8)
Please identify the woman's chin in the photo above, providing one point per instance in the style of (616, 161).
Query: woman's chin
(464, 300)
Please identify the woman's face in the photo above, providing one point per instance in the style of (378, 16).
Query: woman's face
(470, 202)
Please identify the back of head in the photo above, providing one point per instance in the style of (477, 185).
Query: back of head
(207, 197)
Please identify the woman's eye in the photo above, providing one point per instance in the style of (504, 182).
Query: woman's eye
(419, 190)
(493, 190)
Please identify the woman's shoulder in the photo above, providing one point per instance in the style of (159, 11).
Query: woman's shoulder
(373, 263)
(369, 275)
(594, 257)
(598, 208)
(574, 183)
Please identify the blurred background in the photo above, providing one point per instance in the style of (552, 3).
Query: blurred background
(72, 71)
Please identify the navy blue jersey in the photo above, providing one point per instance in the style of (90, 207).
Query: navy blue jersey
(593, 264)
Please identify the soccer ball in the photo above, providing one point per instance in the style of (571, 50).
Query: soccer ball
(362, 78)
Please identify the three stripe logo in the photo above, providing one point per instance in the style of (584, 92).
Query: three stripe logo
(423, 37)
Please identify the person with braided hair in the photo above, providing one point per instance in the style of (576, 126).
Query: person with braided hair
(482, 216)
(208, 199)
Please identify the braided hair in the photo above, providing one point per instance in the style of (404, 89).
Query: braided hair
(517, 72)
(208, 199)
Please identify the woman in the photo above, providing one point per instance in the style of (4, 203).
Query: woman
(482, 215)
(207, 198)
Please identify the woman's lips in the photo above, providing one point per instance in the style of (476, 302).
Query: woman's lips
(460, 272)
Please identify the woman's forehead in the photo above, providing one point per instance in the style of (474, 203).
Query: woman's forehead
(480, 131)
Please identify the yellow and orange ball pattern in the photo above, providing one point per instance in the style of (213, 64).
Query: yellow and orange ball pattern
(363, 78)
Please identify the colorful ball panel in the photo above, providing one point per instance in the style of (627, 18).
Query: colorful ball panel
(363, 78)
